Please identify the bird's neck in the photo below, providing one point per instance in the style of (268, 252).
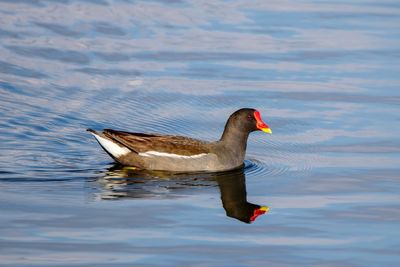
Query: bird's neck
(235, 139)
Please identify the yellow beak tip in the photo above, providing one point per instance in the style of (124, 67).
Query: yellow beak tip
(264, 208)
(267, 130)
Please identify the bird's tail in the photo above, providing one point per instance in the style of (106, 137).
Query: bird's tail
(113, 148)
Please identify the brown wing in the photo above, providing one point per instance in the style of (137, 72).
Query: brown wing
(139, 142)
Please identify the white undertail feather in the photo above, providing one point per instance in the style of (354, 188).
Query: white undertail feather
(111, 147)
(163, 154)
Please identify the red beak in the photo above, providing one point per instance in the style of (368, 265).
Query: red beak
(260, 124)
(258, 212)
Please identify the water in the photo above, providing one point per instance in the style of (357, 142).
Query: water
(325, 77)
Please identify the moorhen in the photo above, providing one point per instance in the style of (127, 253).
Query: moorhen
(184, 154)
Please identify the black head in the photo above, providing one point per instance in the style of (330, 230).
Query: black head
(248, 120)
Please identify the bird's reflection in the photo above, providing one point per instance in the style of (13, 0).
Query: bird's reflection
(125, 182)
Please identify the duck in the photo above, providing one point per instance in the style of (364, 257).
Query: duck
(159, 152)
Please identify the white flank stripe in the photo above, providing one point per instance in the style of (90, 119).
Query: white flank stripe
(111, 147)
(170, 155)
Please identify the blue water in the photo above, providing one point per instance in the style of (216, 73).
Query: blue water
(324, 75)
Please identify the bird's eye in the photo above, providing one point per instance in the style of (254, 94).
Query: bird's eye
(249, 117)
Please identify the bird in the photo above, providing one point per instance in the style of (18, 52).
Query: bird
(148, 151)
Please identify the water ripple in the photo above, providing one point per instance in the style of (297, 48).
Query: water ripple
(63, 55)
(257, 168)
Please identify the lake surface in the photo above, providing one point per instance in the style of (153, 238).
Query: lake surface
(324, 75)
